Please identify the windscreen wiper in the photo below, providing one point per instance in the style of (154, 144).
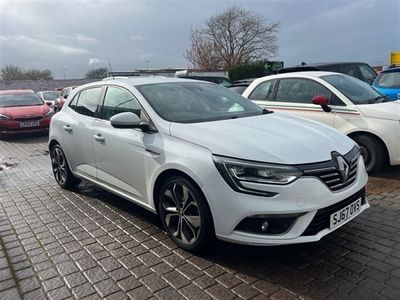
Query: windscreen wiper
(267, 111)
(376, 99)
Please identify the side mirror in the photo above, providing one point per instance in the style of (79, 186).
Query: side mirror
(65, 96)
(128, 120)
(323, 102)
(49, 103)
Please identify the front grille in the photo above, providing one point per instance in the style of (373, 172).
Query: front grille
(27, 119)
(321, 219)
(328, 172)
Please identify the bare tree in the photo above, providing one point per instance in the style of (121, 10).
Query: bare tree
(35, 74)
(235, 36)
(202, 53)
(11, 72)
(98, 73)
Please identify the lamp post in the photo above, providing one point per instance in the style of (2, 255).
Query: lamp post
(65, 69)
(147, 64)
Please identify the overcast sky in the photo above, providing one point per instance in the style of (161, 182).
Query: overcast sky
(73, 36)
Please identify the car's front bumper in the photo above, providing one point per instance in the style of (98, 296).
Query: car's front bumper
(305, 196)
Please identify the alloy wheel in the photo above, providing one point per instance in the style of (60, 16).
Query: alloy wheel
(181, 213)
(59, 166)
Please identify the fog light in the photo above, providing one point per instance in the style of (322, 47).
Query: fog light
(268, 224)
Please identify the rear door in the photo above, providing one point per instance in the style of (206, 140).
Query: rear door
(78, 131)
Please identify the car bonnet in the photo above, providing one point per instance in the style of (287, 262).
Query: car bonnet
(387, 110)
(274, 138)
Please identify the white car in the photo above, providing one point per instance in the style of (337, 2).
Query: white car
(49, 97)
(208, 161)
(341, 101)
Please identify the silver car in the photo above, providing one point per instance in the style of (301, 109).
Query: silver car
(208, 161)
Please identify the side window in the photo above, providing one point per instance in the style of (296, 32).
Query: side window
(331, 68)
(335, 100)
(263, 91)
(298, 90)
(72, 104)
(87, 101)
(119, 100)
(351, 70)
(368, 74)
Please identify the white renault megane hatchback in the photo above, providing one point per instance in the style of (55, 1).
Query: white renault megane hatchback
(208, 161)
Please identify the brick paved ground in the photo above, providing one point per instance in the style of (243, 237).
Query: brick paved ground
(88, 243)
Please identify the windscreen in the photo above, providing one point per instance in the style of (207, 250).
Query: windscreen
(390, 80)
(355, 90)
(12, 100)
(189, 102)
(51, 96)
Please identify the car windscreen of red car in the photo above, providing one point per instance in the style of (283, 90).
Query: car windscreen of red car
(12, 100)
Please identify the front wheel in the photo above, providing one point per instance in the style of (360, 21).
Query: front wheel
(185, 214)
(61, 171)
(372, 152)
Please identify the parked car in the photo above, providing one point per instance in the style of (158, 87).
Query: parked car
(215, 79)
(239, 86)
(360, 70)
(64, 95)
(23, 111)
(208, 161)
(49, 97)
(388, 83)
(348, 104)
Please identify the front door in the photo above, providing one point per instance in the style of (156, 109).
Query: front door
(121, 156)
(294, 96)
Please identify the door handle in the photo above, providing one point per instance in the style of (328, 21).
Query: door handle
(98, 137)
(67, 128)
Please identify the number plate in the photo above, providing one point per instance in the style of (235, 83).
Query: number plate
(29, 124)
(346, 213)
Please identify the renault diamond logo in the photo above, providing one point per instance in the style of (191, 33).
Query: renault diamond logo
(343, 168)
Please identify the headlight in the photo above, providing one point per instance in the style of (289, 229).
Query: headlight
(49, 113)
(4, 117)
(237, 172)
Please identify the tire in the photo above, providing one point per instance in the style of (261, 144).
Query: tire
(61, 171)
(372, 152)
(185, 214)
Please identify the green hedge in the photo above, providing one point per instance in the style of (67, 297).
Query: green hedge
(253, 70)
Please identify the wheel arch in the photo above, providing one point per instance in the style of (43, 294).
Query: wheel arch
(175, 172)
(370, 134)
(52, 143)
(163, 176)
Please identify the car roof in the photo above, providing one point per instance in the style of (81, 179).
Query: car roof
(391, 70)
(303, 74)
(322, 64)
(203, 76)
(16, 92)
(139, 80)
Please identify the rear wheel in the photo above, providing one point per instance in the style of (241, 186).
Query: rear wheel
(61, 171)
(185, 214)
(372, 152)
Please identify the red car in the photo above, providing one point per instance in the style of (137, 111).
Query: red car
(64, 95)
(23, 111)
